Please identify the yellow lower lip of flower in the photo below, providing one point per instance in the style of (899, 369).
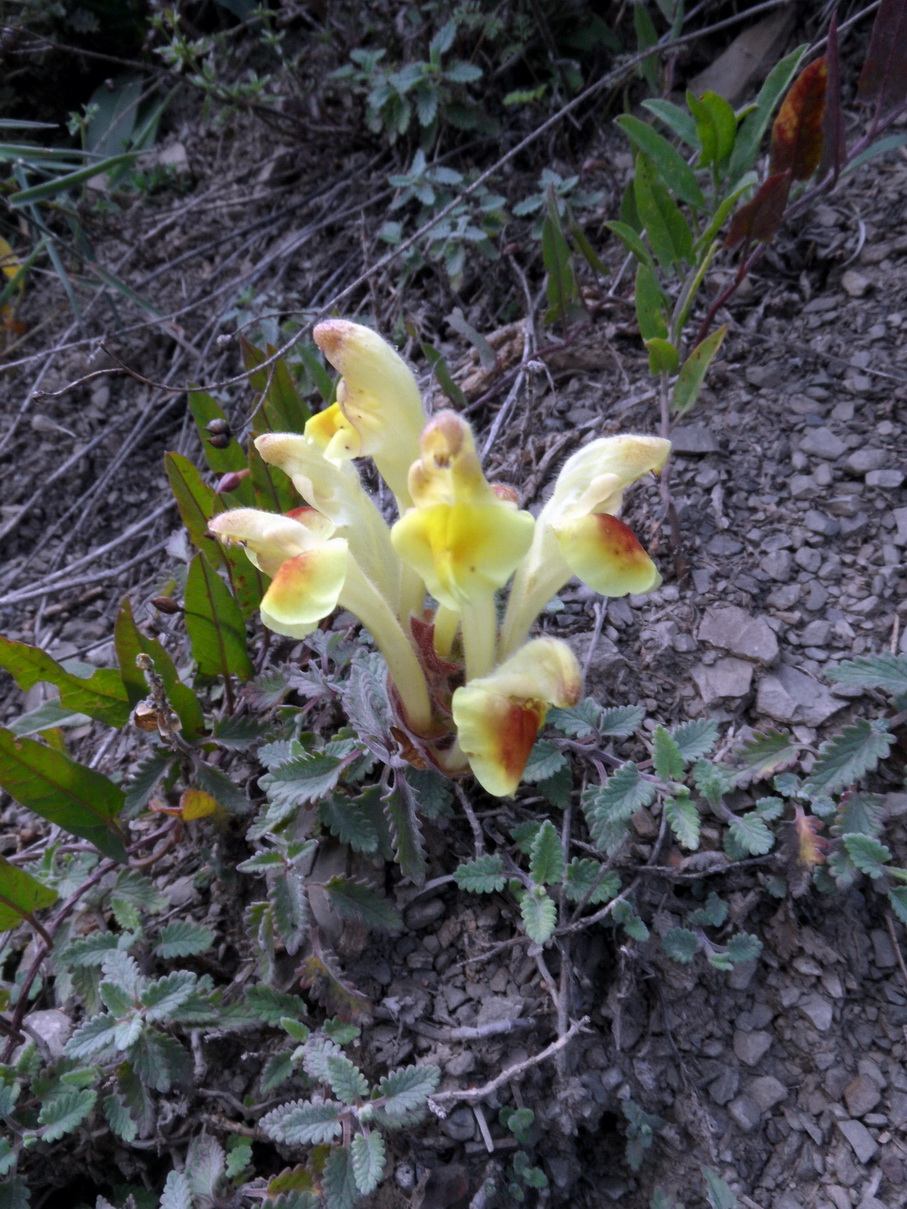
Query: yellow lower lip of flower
(463, 552)
(305, 589)
(605, 554)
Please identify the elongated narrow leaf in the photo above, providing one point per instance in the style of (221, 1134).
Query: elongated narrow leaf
(215, 624)
(20, 895)
(283, 408)
(406, 831)
(666, 228)
(758, 221)
(798, 129)
(833, 141)
(129, 642)
(652, 307)
(564, 300)
(441, 371)
(884, 76)
(755, 124)
(62, 791)
(101, 696)
(673, 169)
(716, 127)
(693, 371)
(677, 120)
(368, 1158)
(632, 241)
(60, 184)
(46, 717)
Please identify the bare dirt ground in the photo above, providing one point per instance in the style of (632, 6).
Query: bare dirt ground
(787, 1077)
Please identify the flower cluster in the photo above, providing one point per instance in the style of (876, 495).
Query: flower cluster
(466, 692)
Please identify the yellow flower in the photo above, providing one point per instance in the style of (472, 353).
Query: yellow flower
(378, 412)
(577, 533)
(498, 716)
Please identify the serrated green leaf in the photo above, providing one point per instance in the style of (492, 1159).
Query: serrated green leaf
(346, 1080)
(290, 908)
(547, 865)
(586, 876)
(539, 914)
(7, 1156)
(406, 831)
(160, 1061)
(350, 824)
(712, 781)
(20, 895)
(305, 779)
(118, 1001)
(712, 915)
(544, 761)
(62, 1113)
(408, 1087)
(868, 854)
(276, 1070)
(680, 944)
(557, 789)
(368, 1155)
(101, 696)
(683, 818)
(695, 739)
(766, 755)
(205, 1162)
(339, 1179)
(482, 876)
(119, 1118)
(177, 1194)
(743, 947)
(897, 897)
(360, 902)
(625, 914)
(182, 938)
(62, 791)
(301, 1123)
(666, 756)
(93, 1037)
(860, 812)
(164, 996)
(770, 809)
(577, 720)
(608, 807)
(847, 756)
(883, 671)
(752, 834)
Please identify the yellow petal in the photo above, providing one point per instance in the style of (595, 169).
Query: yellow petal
(463, 551)
(618, 461)
(604, 553)
(498, 717)
(448, 470)
(269, 538)
(332, 433)
(305, 589)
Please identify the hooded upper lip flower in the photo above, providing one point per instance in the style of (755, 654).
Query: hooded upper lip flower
(378, 412)
(462, 537)
(577, 533)
(498, 716)
(312, 573)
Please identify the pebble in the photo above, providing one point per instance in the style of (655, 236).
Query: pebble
(459, 1124)
(865, 1147)
(821, 523)
(777, 565)
(861, 1096)
(745, 1112)
(751, 1048)
(733, 629)
(693, 439)
(818, 1010)
(766, 1091)
(884, 478)
(854, 283)
(725, 678)
(823, 443)
(788, 695)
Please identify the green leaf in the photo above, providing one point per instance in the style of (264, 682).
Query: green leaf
(305, 779)
(670, 165)
(60, 184)
(539, 914)
(680, 944)
(54, 786)
(360, 902)
(677, 120)
(564, 298)
(860, 812)
(716, 127)
(300, 1123)
(177, 1193)
(350, 824)
(683, 818)
(160, 1061)
(609, 807)
(750, 832)
(20, 895)
(869, 855)
(579, 720)
(742, 948)
(765, 755)
(544, 761)
(339, 1179)
(663, 356)
(557, 789)
(182, 938)
(215, 624)
(272, 1006)
(712, 781)
(221, 458)
(666, 756)
(712, 915)
(129, 641)
(651, 306)
(621, 722)
(14, 1193)
(62, 1113)
(482, 876)
(845, 758)
(283, 408)
(887, 672)
(666, 228)
(770, 809)
(586, 876)
(695, 739)
(408, 1088)
(101, 696)
(547, 865)
(214, 781)
(119, 1118)
(163, 997)
(368, 1157)
(406, 831)
(46, 717)
(347, 1081)
(7, 1156)
(633, 243)
(755, 124)
(897, 897)
(693, 371)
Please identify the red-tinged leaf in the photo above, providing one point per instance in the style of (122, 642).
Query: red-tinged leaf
(797, 132)
(759, 220)
(129, 641)
(215, 624)
(20, 896)
(884, 76)
(812, 845)
(833, 147)
(62, 791)
(324, 984)
(101, 696)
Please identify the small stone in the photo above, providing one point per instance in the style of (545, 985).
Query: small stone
(745, 1112)
(693, 439)
(788, 695)
(784, 597)
(820, 522)
(724, 1088)
(818, 1010)
(864, 1144)
(900, 519)
(777, 565)
(460, 1124)
(723, 544)
(815, 634)
(854, 283)
(883, 954)
(823, 443)
(767, 1091)
(53, 1027)
(733, 629)
(803, 486)
(751, 1048)
(884, 478)
(861, 1096)
(815, 597)
(808, 558)
(724, 678)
